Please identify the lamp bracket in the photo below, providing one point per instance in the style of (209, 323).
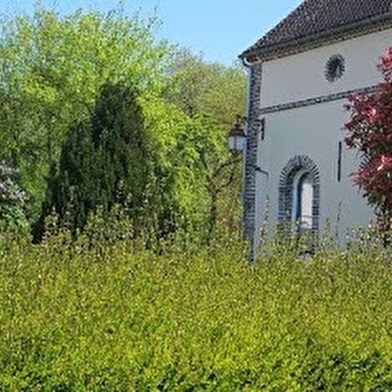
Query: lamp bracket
(259, 170)
(249, 120)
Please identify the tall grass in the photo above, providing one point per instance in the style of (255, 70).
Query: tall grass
(85, 316)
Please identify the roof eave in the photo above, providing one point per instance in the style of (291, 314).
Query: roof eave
(343, 32)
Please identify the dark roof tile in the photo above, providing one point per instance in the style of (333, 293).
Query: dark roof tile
(314, 17)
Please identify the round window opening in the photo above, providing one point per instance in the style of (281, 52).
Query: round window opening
(335, 68)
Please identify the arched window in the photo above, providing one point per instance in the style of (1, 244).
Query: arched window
(303, 192)
(299, 194)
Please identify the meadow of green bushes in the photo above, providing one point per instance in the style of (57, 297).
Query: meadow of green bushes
(100, 314)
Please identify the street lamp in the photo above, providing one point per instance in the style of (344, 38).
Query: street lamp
(237, 137)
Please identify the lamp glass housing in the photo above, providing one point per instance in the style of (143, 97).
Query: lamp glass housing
(237, 138)
(237, 143)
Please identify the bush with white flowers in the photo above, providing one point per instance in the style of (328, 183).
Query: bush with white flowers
(12, 197)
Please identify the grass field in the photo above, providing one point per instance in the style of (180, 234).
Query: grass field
(79, 317)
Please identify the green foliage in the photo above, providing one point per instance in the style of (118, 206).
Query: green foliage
(136, 152)
(212, 96)
(103, 162)
(179, 185)
(51, 70)
(99, 315)
(208, 89)
(12, 198)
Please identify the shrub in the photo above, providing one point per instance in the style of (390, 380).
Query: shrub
(370, 132)
(12, 198)
(101, 315)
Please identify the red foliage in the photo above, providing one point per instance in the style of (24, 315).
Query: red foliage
(370, 131)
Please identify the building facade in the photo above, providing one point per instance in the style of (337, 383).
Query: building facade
(297, 169)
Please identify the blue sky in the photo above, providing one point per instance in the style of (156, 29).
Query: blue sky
(219, 29)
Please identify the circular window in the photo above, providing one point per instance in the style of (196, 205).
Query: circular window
(335, 68)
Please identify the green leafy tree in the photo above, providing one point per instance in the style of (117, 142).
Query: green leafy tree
(179, 199)
(209, 89)
(133, 152)
(51, 72)
(212, 95)
(51, 69)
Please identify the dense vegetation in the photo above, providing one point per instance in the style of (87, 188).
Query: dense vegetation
(53, 100)
(95, 315)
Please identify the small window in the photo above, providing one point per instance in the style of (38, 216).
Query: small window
(303, 200)
(335, 68)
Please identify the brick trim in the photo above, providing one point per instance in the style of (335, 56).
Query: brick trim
(314, 101)
(253, 125)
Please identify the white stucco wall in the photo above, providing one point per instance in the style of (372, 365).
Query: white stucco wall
(313, 131)
(316, 130)
(301, 76)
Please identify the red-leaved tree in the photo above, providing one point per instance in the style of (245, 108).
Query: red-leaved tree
(369, 130)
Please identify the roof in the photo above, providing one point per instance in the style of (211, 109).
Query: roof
(314, 18)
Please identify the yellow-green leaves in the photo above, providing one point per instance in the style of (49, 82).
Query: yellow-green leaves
(95, 315)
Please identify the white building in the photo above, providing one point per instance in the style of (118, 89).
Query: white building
(301, 73)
